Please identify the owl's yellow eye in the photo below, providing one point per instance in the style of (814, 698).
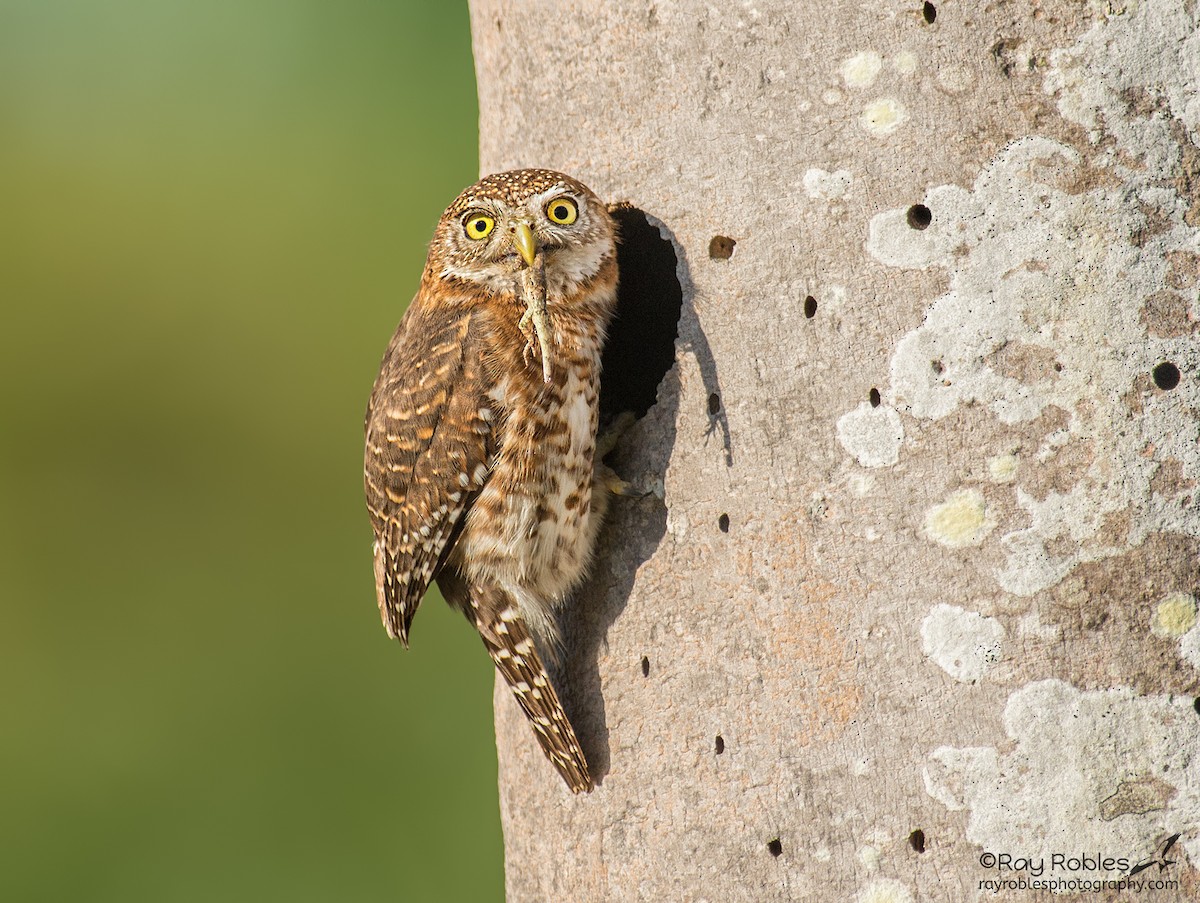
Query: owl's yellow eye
(478, 225)
(562, 211)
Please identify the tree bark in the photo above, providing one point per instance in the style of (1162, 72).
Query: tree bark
(920, 588)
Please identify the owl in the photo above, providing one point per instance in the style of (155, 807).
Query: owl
(481, 467)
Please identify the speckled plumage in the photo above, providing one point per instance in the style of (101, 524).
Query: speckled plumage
(478, 472)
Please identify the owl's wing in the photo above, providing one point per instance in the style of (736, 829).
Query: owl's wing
(428, 426)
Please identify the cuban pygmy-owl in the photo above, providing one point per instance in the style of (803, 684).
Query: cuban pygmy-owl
(481, 469)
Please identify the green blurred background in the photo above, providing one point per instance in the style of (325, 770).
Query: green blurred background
(211, 216)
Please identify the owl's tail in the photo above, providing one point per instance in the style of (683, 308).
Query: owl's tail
(512, 649)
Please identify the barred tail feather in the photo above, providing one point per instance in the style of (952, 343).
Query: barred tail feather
(512, 649)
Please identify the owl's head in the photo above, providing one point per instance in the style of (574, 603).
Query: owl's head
(495, 228)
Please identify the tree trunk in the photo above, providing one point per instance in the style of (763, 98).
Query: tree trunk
(918, 589)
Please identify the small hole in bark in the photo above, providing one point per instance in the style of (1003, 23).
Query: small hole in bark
(640, 348)
(929, 13)
(1196, 705)
(723, 523)
(873, 397)
(774, 847)
(720, 744)
(938, 367)
(714, 405)
(721, 247)
(1166, 375)
(645, 666)
(810, 307)
(919, 216)
(916, 840)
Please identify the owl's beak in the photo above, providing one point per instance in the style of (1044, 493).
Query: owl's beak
(525, 242)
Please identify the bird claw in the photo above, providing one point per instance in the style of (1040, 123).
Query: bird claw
(608, 440)
(617, 486)
(614, 485)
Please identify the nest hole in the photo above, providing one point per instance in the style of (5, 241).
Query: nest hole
(641, 339)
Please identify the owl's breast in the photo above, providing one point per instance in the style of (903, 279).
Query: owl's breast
(533, 526)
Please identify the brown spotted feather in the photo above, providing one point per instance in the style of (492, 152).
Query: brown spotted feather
(516, 658)
(478, 473)
(426, 453)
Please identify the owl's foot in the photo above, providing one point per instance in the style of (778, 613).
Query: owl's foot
(607, 477)
(608, 440)
(614, 485)
(610, 484)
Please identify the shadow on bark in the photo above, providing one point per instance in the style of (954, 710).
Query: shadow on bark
(640, 367)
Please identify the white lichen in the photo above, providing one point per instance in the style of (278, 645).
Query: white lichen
(905, 62)
(1174, 615)
(1050, 262)
(823, 185)
(961, 520)
(883, 116)
(861, 484)
(1030, 625)
(869, 856)
(871, 434)
(962, 643)
(1003, 468)
(1189, 647)
(1154, 48)
(1106, 771)
(861, 70)
(955, 78)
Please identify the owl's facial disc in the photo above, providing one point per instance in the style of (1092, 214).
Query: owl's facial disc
(496, 234)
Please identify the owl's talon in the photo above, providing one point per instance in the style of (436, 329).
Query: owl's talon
(617, 486)
(608, 440)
